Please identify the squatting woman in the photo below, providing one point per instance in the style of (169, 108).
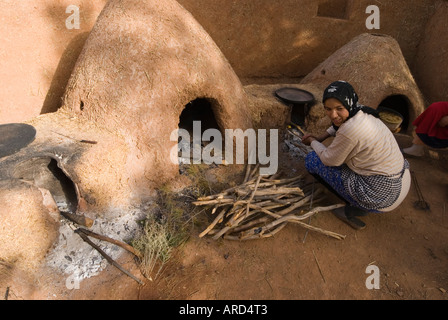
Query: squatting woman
(363, 165)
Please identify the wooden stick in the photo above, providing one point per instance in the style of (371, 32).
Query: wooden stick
(263, 235)
(250, 224)
(84, 141)
(121, 244)
(297, 219)
(294, 134)
(228, 227)
(271, 233)
(298, 127)
(254, 170)
(274, 176)
(287, 200)
(225, 192)
(267, 211)
(308, 214)
(109, 259)
(275, 198)
(212, 225)
(235, 217)
(319, 230)
(253, 194)
(273, 183)
(282, 181)
(233, 223)
(246, 176)
(215, 201)
(294, 206)
(311, 205)
(280, 190)
(318, 266)
(77, 218)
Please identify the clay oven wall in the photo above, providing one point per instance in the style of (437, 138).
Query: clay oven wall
(375, 66)
(143, 62)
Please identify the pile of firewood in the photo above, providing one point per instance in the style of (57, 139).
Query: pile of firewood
(263, 205)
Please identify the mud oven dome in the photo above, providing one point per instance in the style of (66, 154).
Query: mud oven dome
(146, 68)
(144, 64)
(375, 66)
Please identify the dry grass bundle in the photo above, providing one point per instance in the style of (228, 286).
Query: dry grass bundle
(155, 246)
(261, 206)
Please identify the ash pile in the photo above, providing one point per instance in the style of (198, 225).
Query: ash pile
(294, 144)
(75, 258)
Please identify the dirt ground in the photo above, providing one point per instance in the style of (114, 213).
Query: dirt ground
(409, 246)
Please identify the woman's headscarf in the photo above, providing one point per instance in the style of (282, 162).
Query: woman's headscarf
(344, 92)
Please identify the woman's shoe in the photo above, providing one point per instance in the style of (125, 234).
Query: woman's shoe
(351, 211)
(353, 222)
(414, 150)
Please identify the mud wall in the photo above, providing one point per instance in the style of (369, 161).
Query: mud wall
(38, 53)
(290, 38)
(261, 39)
(431, 62)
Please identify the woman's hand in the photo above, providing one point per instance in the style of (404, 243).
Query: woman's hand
(308, 138)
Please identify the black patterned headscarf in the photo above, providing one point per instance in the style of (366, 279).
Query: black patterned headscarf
(344, 92)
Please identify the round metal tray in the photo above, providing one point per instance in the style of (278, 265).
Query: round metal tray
(295, 95)
(15, 136)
